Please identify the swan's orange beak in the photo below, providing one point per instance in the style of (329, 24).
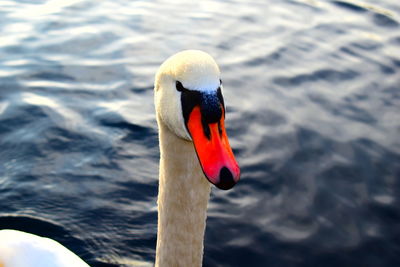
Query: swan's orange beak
(213, 150)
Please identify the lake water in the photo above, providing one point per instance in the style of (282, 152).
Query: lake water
(313, 101)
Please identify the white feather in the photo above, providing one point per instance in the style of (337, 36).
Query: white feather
(20, 249)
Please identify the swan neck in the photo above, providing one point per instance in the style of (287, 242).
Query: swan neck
(182, 203)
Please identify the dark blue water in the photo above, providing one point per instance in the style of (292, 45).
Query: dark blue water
(313, 98)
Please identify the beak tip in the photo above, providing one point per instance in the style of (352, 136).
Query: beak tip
(226, 180)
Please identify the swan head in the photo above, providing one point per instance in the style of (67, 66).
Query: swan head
(189, 101)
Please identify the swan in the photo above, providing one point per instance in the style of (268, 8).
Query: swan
(20, 249)
(194, 153)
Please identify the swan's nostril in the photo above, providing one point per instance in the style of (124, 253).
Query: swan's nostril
(226, 180)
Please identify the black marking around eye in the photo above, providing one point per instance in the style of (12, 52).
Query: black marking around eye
(211, 107)
(221, 98)
(189, 99)
(179, 86)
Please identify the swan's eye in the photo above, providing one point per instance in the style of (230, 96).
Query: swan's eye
(220, 82)
(179, 86)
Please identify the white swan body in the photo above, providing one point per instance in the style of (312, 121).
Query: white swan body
(193, 146)
(19, 249)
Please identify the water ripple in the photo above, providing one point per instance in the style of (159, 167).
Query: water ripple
(312, 113)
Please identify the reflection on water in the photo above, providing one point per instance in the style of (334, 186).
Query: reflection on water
(312, 93)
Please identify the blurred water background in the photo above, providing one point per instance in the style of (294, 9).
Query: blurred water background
(313, 99)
